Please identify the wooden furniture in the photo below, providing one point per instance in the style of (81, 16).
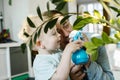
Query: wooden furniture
(13, 62)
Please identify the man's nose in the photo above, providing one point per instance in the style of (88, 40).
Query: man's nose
(66, 33)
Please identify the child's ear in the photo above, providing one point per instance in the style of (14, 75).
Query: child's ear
(38, 43)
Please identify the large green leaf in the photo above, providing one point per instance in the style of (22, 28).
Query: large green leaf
(60, 6)
(106, 38)
(23, 47)
(79, 18)
(64, 19)
(93, 54)
(91, 49)
(98, 42)
(31, 24)
(50, 24)
(39, 13)
(81, 23)
(90, 45)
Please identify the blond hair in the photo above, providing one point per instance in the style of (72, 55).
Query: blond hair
(29, 30)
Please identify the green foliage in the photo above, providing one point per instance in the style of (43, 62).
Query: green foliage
(116, 10)
(39, 30)
(39, 13)
(117, 35)
(26, 34)
(50, 24)
(93, 45)
(10, 2)
(81, 21)
(30, 44)
(48, 6)
(64, 19)
(31, 24)
(23, 47)
(60, 6)
(55, 1)
(97, 14)
(117, 1)
(35, 37)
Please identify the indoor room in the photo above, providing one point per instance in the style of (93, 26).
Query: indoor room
(99, 20)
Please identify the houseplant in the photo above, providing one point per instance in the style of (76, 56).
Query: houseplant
(81, 21)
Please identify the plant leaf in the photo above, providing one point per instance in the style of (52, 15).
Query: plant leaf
(39, 13)
(114, 8)
(90, 45)
(105, 38)
(48, 7)
(84, 22)
(96, 41)
(35, 37)
(39, 32)
(97, 14)
(31, 24)
(79, 18)
(64, 19)
(23, 47)
(30, 44)
(60, 6)
(26, 34)
(10, 2)
(118, 22)
(50, 24)
(91, 49)
(117, 35)
(54, 1)
(112, 21)
(117, 1)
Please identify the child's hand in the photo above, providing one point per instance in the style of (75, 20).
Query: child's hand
(73, 46)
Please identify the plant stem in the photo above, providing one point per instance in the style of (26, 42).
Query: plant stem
(116, 28)
(106, 8)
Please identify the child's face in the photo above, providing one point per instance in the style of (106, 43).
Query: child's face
(52, 39)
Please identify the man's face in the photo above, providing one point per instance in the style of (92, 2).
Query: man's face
(64, 30)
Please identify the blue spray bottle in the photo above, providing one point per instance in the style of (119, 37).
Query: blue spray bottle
(80, 56)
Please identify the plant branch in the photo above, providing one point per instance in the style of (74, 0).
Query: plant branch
(116, 28)
(106, 8)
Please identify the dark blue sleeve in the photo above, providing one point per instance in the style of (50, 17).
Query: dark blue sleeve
(100, 69)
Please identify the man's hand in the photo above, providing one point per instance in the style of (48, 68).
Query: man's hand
(76, 73)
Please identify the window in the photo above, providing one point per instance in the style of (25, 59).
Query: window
(91, 28)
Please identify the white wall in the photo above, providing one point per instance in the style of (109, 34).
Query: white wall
(33, 4)
(14, 15)
(1, 12)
